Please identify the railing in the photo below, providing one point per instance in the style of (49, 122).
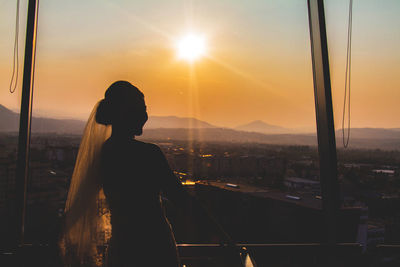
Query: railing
(240, 255)
(209, 255)
(257, 255)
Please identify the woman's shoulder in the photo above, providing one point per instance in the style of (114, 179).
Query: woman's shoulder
(133, 146)
(110, 142)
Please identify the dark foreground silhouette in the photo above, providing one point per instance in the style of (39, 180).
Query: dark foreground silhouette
(134, 174)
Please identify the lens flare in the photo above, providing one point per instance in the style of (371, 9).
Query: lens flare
(191, 47)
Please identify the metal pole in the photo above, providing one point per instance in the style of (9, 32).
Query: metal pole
(25, 121)
(324, 117)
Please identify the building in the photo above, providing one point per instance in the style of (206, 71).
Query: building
(303, 184)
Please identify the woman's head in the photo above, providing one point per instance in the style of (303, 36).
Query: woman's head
(123, 107)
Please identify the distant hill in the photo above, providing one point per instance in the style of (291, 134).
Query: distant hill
(8, 120)
(227, 135)
(175, 128)
(262, 127)
(234, 136)
(10, 123)
(372, 133)
(175, 122)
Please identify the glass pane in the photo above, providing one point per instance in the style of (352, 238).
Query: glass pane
(228, 88)
(369, 167)
(9, 114)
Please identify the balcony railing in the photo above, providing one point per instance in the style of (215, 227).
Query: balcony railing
(209, 255)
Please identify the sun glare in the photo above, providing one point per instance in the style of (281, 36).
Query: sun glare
(191, 47)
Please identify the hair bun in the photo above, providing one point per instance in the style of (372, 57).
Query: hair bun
(103, 113)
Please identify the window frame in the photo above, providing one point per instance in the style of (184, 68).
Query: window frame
(323, 107)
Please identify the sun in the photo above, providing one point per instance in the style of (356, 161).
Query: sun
(191, 47)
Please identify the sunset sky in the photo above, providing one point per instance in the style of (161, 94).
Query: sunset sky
(256, 64)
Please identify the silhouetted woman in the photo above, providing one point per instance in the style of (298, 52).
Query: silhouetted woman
(131, 175)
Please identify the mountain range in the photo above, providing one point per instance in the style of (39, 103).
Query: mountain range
(178, 128)
(175, 122)
(259, 126)
(9, 122)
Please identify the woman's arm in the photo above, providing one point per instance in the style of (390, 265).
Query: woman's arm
(171, 186)
(175, 192)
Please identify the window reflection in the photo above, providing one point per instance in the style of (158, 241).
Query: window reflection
(9, 111)
(369, 168)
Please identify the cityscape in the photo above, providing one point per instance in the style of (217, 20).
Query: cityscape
(237, 183)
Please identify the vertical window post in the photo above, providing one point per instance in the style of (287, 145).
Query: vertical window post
(324, 118)
(25, 121)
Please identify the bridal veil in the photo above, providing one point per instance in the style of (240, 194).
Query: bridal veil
(87, 217)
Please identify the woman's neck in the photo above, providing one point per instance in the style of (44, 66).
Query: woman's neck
(121, 134)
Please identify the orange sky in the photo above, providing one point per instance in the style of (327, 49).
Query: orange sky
(258, 64)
